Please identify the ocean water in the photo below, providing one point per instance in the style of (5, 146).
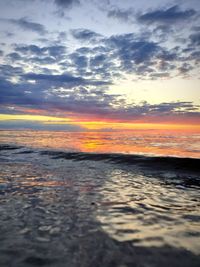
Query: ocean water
(99, 199)
(146, 142)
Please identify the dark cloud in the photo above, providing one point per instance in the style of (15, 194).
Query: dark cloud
(94, 62)
(162, 32)
(5, 85)
(28, 25)
(14, 56)
(36, 58)
(157, 112)
(79, 62)
(83, 50)
(85, 35)
(166, 55)
(83, 100)
(7, 71)
(78, 100)
(66, 3)
(42, 61)
(104, 60)
(195, 56)
(170, 15)
(55, 51)
(101, 64)
(64, 78)
(121, 14)
(132, 51)
(38, 55)
(98, 60)
(158, 75)
(30, 49)
(185, 69)
(175, 107)
(13, 94)
(195, 39)
(56, 78)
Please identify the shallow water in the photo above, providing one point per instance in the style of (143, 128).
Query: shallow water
(82, 209)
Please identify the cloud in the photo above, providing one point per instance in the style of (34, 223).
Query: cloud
(84, 105)
(66, 3)
(14, 56)
(185, 69)
(195, 39)
(38, 55)
(25, 124)
(29, 49)
(55, 51)
(8, 71)
(98, 60)
(28, 25)
(42, 61)
(79, 61)
(105, 60)
(59, 77)
(85, 35)
(51, 100)
(162, 32)
(83, 98)
(64, 79)
(170, 15)
(121, 14)
(132, 51)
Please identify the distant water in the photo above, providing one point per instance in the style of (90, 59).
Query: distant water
(99, 199)
(148, 142)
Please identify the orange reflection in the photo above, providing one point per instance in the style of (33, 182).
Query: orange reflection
(46, 183)
(124, 126)
(174, 143)
(151, 142)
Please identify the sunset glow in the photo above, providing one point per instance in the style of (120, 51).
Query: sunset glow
(132, 67)
(99, 125)
(99, 133)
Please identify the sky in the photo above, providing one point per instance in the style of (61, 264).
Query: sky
(104, 65)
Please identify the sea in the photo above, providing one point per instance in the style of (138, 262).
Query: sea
(94, 199)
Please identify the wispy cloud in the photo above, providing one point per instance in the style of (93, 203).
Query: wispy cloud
(173, 14)
(27, 25)
(85, 35)
(66, 3)
(124, 15)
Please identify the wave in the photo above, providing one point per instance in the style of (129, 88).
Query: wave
(192, 164)
(9, 147)
(155, 162)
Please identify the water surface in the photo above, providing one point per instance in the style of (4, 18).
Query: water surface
(147, 142)
(61, 204)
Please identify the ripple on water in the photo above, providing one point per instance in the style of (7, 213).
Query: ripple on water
(56, 212)
(160, 217)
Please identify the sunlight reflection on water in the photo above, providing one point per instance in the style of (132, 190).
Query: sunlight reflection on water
(168, 143)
